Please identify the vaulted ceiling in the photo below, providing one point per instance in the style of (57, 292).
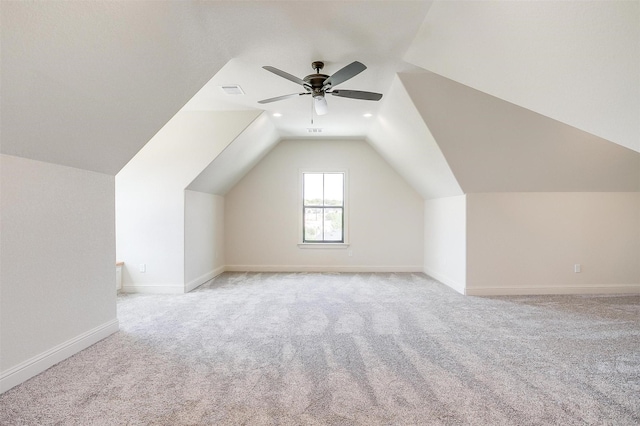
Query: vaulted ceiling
(479, 96)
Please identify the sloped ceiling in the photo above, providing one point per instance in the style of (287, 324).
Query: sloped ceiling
(182, 149)
(88, 84)
(575, 61)
(495, 146)
(238, 158)
(402, 138)
(338, 33)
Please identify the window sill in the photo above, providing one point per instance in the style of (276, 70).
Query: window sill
(323, 245)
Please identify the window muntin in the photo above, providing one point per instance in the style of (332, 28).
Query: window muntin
(323, 207)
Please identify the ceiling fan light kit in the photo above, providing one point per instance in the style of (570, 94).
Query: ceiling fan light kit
(318, 85)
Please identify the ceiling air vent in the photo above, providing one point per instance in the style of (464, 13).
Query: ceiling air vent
(314, 130)
(232, 89)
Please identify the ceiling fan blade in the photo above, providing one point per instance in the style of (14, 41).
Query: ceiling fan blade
(320, 105)
(357, 94)
(344, 74)
(279, 98)
(286, 75)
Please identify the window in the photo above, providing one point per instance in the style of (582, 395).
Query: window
(323, 207)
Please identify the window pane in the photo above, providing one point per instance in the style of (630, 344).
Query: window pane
(313, 189)
(332, 224)
(333, 189)
(313, 224)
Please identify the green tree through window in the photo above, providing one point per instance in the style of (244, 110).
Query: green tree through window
(323, 207)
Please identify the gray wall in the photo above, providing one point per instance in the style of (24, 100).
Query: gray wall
(57, 262)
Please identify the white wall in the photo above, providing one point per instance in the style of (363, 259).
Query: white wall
(203, 238)
(150, 196)
(262, 212)
(527, 243)
(445, 235)
(57, 264)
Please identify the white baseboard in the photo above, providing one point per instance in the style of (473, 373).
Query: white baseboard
(567, 289)
(203, 279)
(455, 285)
(153, 288)
(39, 363)
(321, 268)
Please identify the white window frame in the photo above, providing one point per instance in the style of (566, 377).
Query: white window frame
(345, 211)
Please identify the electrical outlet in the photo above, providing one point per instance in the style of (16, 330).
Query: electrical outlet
(577, 268)
(350, 253)
(142, 268)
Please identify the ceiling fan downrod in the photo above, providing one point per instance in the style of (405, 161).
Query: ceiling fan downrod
(317, 65)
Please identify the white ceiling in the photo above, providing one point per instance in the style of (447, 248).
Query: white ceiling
(237, 158)
(577, 62)
(345, 117)
(376, 34)
(88, 84)
(401, 136)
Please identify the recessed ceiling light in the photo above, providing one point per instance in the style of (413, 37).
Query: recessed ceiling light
(277, 114)
(232, 89)
(367, 115)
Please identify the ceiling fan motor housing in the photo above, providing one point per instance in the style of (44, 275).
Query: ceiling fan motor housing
(316, 81)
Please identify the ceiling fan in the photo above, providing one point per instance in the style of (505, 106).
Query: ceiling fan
(318, 85)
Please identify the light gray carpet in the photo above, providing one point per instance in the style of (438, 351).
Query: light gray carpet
(393, 349)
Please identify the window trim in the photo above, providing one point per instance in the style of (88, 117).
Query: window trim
(345, 211)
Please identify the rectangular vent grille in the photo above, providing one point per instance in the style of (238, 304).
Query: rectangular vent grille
(232, 89)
